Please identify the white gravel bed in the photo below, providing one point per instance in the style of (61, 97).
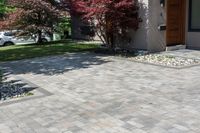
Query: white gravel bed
(166, 60)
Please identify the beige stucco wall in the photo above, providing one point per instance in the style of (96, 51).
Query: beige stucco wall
(157, 16)
(192, 38)
(139, 38)
(148, 36)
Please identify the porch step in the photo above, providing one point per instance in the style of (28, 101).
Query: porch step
(176, 47)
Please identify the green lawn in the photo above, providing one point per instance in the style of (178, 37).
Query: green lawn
(18, 52)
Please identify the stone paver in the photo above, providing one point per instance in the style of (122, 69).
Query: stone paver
(99, 94)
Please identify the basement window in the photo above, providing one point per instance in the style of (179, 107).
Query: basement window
(194, 16)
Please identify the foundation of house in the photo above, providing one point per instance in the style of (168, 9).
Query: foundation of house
(176, 47)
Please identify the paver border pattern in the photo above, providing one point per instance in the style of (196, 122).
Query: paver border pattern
(44, 92)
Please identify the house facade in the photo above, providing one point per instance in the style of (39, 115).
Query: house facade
(167, 25)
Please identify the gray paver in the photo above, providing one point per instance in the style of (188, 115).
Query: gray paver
(102, 94)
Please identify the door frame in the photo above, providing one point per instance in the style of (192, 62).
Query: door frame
(183, 24)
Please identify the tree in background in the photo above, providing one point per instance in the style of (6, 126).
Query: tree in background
(111, 18)
(64, 27)
(4, 8)
(6, 16)
(32, 16)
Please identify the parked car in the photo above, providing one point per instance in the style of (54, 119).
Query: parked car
(12, 38)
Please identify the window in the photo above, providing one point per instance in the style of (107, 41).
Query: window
(194, 15)
(8, 34)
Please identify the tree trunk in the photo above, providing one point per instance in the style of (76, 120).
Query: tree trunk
(39, 36)
(110, 39)
(110, 33)
(112, 44)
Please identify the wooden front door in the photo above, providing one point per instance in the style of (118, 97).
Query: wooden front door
(176, 17)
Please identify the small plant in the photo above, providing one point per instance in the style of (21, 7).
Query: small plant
(29, 94)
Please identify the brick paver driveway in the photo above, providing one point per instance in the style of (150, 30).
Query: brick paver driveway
(99, 94)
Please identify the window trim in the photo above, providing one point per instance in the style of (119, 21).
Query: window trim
(190, 29)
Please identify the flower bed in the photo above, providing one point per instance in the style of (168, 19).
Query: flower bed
(166, 60)
(10, 89)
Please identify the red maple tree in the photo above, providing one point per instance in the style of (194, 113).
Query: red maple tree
(111, 18)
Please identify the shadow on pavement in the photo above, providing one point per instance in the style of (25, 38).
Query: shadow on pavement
(54, 64)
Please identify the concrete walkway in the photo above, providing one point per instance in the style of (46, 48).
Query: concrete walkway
(100, 94)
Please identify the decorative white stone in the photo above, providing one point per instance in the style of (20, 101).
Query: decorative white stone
(166, 60)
